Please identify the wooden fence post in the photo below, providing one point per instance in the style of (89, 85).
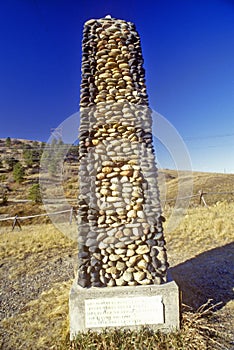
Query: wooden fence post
(202, 199)
(16, 222)
(71, 214)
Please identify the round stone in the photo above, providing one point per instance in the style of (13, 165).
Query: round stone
(107, 170)
(135, 231)
(139, 276)
(123, 65)
(115, 187)
(101, 219)
(105, 191)
(140, 214)
(112, 270)
(95, 142)
(132, 214)
(127, 276)
(126, 167)
(132, 283)
(101, 236)
(127, 173)
(114, 52)
(119, 234)
(91, 242)
(120, 281)
(119, 204)
(146, 258)
(127, 232)
(111, 283)
(113, 199)
(130, 252)
(102, 245)
(120, 265)
(143, 249)
(101, 176)
(114, 180)
(108, 240)
(145, 281)
(133, 260)
(127, 78)
(138, 207)
(107, 163)
(157, 280)
(137, 194)
(113, 174)
(110, 65)
(142, 264)
(120, 245)
(113, 257)
(120, 251)
(105, 75)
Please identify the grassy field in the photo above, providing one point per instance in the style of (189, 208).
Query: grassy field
(38, 265)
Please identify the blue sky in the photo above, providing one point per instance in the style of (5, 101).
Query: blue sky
(188, 48)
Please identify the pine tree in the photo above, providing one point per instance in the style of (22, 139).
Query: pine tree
(28, 156)
(35, 193)
(8, 141)
(18, 172)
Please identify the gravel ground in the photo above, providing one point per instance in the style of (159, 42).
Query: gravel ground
(16, 292)
(208, 275)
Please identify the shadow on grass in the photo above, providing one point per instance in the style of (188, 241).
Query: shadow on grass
(209, 275)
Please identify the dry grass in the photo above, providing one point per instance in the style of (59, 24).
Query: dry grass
(207, 182)
(202, 241)
(44, 325)
(43, 322)
(24, 249)
(199, 332)
(201, 229)
(37, 266)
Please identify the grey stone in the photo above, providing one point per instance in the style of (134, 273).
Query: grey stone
(91, 242)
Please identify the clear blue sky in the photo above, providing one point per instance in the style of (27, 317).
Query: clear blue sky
(188, 48)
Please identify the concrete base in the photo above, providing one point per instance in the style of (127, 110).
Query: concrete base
(157, 306)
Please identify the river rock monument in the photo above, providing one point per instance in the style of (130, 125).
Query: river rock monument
(122, 261)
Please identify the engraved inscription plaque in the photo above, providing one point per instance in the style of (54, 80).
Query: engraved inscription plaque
(113, 312)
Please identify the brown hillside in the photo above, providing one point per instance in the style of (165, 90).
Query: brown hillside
(63, 184)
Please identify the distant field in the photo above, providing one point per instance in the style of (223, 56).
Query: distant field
(216, 188)
(38, 265)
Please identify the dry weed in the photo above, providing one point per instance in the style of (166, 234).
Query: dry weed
(42, 322)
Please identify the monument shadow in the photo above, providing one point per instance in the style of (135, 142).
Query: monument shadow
(209, 275)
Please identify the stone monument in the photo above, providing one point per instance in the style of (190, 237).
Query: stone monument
(122, 261)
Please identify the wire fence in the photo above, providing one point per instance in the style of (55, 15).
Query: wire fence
(201, 195)
(17, 219)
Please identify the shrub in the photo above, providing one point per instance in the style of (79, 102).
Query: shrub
(35, 193)
(3, 177)
(28, 157)
(8, 141)
(11, 162)
(18, 172)
(3, 198)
